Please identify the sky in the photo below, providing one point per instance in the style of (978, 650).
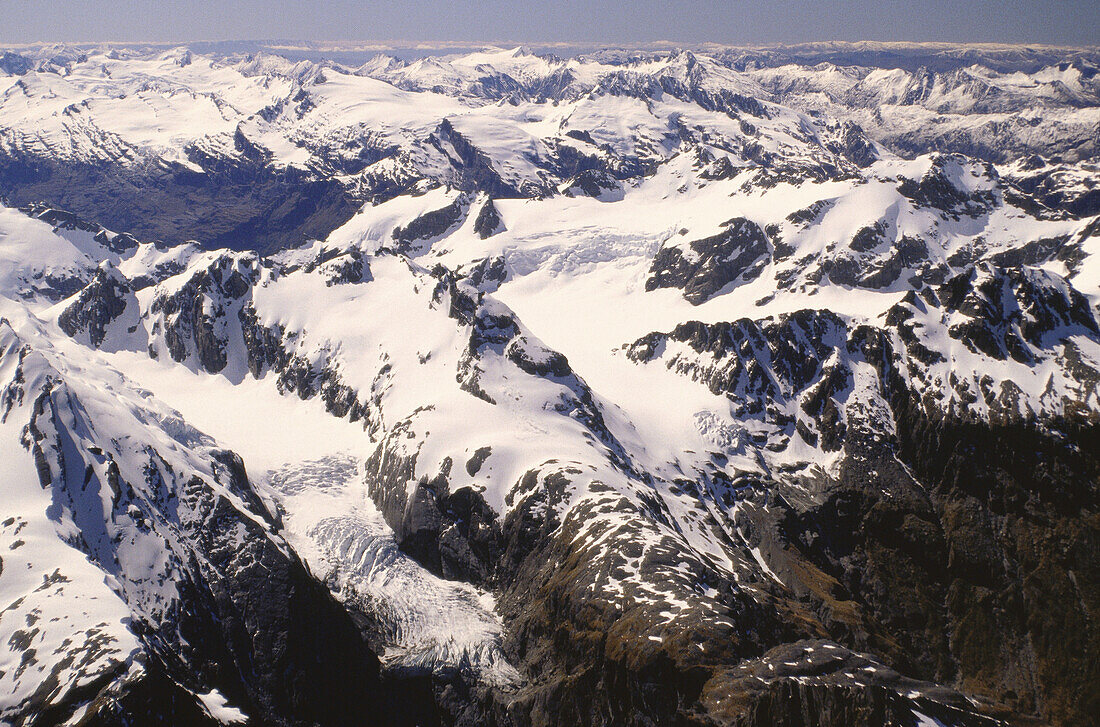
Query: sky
(1059, 22)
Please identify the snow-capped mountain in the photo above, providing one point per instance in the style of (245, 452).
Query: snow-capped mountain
(257, 151)
(628, 387)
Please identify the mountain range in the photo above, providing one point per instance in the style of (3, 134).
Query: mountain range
(721, 386)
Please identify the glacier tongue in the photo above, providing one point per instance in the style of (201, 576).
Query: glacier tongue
(423, 622)
(176, 533)
(627, 388)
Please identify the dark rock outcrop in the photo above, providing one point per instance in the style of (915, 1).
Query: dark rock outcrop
(937, 190)
(196, 313)
(243, 615)
(432, 224)
(99, 304)
(738, 253)
(488, 222)
(930, 545)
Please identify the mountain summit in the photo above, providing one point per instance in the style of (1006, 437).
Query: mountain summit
(706, 387)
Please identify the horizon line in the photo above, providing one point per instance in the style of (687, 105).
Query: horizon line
(505, 44)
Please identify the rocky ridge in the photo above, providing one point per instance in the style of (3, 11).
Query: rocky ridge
(817, 450)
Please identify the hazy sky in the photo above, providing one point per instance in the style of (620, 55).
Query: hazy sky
(1074, 22)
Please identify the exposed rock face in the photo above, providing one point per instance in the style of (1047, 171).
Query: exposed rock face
(929, 533)
(1006, 313)
(453, 534)
(115, 242)
(487, 274)
(708, 265)
(432, 224)
(860, 489)
(15, 64)
(103, 301)
(1053, 189)
(196, 314)
(852, 143)
(937, 189)
(488, 221)
(473, 169)
(226, 605)
(344, 267)
(593, 183)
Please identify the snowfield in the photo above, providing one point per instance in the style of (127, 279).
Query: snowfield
(614, 364)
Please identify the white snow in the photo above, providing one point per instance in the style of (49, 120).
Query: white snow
(576, 271)
(217, 706)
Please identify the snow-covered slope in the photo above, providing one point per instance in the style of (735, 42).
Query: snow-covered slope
(512, 389)
(260, 152)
